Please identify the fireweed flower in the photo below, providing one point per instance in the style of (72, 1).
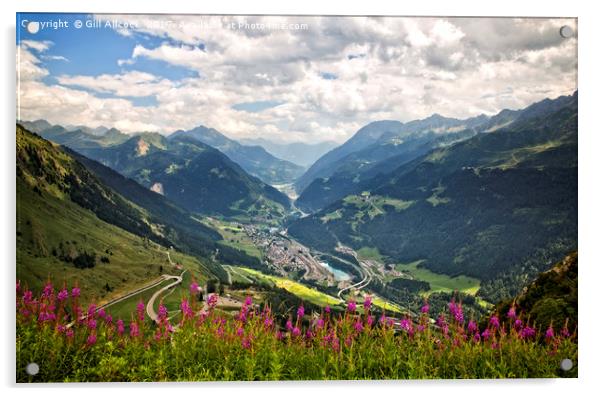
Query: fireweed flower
(91, 324)
(140, 310)
(91, 339)
(268, 322)
(289, 325)
(194, 288)
(62, 295)
(459, 314)
(296, 332)
(550, 333)
(472, 327)
(327, 309)
(75, 292)
(120, 327)
(565, 332)
(162, 312)
(48, 290)
(240, 332)
(101, 313)
(440, 320)
(248, 301)
(69, 333)
(486, 334)
(370, 320)
(351, 306)
(494, 322)
(134, 330)
(358, 326)
(186, 309)
(320, 323)
(246, 343)
(511, 313)
(425, 308)
(91, 310)
(27, 297)
(212, 300)
(527, 332)
(518, 324)
(405, 324)
(367, 303)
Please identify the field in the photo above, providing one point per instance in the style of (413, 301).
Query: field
(302, 291)
(234, 236)
(440, 282)
(369, 253)
(374, 205)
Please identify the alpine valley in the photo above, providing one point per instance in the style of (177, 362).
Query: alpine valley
(438, 208)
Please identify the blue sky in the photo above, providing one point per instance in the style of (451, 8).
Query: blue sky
(315, 79)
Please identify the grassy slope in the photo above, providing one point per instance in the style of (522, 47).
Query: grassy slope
(302, 291)
(44, 223)
(441, 282)
(48, 218)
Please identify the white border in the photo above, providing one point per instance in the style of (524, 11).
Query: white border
(589, 192)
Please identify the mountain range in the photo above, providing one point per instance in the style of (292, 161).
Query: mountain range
(192, 174)
(253, 159)
(476, 200)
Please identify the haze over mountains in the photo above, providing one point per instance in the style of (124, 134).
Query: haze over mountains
(303, 154)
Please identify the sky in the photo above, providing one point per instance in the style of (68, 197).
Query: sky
(283, 78)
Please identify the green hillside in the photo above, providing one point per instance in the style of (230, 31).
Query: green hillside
(479, 208)
(195, 176)
(72, 228)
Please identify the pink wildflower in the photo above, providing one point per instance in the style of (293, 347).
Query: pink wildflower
(62, 295)
(351, 306)
(511, 313)
(134, 330)
(120, 327)
(75, 292)
(550, 333)
(300, 311)
(367, 303)
(472, 327)
(91, 339)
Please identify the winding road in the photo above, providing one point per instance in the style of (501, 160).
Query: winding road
(361, 284)
(150, 306)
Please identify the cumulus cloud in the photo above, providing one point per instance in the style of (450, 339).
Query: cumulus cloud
(385, 68)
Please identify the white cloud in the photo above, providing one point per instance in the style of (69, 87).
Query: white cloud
(132, 83)
(386, 68)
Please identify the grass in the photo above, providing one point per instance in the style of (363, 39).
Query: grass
(337, 214)
(43, 224)
(234, 236)
(374, 205)
(384, 304)
(440, 282)
(369, 253)
(304, 292)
